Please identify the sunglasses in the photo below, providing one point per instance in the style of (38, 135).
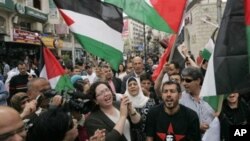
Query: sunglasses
(187, 80)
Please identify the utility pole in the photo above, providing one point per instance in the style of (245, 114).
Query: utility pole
(219, 16)
(144, 40)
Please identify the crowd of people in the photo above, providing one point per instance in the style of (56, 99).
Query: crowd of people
(105, 105)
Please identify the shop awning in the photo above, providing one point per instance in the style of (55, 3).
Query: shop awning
(19, 44)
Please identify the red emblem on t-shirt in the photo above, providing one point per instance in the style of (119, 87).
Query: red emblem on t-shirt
(170, 135)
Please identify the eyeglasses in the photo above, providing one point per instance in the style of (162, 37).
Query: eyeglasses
(19, 131)
(187, 80)
(103, 92)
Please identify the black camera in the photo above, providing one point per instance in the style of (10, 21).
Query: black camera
(80, 105)
(72, 100)
(50, 93)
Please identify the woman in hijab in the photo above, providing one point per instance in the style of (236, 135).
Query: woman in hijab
(141, 103)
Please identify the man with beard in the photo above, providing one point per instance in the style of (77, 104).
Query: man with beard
(172, 117)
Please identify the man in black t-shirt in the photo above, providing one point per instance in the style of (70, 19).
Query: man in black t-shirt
(171, 118)
(18, 83)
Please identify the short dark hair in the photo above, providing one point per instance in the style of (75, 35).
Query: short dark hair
(178, 87)
(87, 67)
(176, 64)
(51, 125)
(145, 76)
(69, 66)
(20, 63)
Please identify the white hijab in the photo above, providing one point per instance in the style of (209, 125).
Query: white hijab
(139, 100)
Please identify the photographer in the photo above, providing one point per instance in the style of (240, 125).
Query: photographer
(80, 107)
(36, 89)
(20, 102)
(76, 103)
(53, 125)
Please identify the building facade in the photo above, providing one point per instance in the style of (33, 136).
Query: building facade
(201, 20)
(133, 36)
(20, 23)
(140, 39)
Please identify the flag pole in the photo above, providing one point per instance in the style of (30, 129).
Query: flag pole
(40, 67)
(179, 32)
(73, 50)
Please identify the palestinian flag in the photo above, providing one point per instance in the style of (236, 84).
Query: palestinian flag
(52, 70)
(208, 86)
(176, 54)
(215, 101)
(163, 15)
(209, 47)
(229, 66)
(165, 56)
(97, 26)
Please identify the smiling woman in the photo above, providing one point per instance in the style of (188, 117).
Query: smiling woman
(108, 115)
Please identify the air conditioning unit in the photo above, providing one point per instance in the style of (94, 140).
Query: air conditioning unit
(36, 26)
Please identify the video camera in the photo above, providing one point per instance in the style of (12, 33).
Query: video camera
(72, 100)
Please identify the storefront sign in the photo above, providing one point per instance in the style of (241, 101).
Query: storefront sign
(51, 42)
(20, 8)
(23, 36)
(36, 14)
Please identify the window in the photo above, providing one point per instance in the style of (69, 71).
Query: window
(37, 4)
(25, 26)
(2, 25)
